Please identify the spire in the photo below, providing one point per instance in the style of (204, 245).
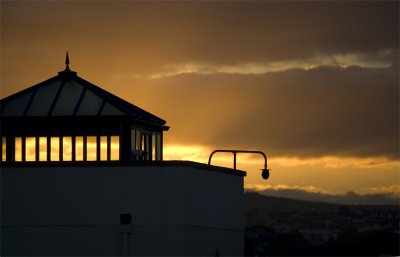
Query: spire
(67, 72)
(67, 62)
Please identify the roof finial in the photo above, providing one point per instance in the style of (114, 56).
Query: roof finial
(67, 61)
(67, 72)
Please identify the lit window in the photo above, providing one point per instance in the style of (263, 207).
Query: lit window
(67, 148)
(55, 149)
(42, 149)
(3, 149)
(153, 147)
(30, 149)
(91, 152)
(18, 149)
(115, 148)
(103, 148)
(79, 148)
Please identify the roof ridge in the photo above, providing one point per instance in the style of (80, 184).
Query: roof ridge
(123, 106)
(26, 90)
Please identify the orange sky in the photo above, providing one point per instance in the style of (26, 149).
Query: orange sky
(313, 84)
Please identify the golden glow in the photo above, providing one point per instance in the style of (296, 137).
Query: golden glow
(55, 149)
(333, 162)
(195, 153)
(3, 149)
(261, 187)
(79, 148)
(391, 189)
(114, 148)
(91, 146)
(18, 149)
(103, 148)
(200, 153)
(67, 148)
(30, 149)
(318, 175)
(42, 149)
(315, 61)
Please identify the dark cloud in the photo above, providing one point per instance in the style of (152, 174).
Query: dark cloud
(319, 112)
(150, 34)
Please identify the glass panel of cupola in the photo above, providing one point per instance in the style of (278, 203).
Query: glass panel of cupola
(68, 99)
(43, 99)
(90, 105)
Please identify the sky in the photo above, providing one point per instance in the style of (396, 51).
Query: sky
(315, 85)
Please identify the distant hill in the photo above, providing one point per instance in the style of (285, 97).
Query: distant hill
(281, 204)
(350, 198)
(259, 207)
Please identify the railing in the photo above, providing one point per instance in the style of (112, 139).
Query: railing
(265, 171)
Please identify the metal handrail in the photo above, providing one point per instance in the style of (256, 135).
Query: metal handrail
(265, 171)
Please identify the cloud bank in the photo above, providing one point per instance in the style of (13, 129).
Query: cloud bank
(383, 196)
(326, 111)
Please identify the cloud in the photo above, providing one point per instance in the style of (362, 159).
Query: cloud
(378, 60)
(333, 162)
(311, 193)
(264, 187)
(391, 189)
(196, 153)
(323, 112)
(143, 37)
(201, 153)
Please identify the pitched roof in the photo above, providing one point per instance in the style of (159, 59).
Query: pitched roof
(69, 95)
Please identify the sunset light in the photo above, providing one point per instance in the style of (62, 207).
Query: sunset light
(319, 96)
(200, 128)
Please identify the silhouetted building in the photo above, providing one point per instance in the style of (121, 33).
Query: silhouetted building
(82, 174)
(66, 117)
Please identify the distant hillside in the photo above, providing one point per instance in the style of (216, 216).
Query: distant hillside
(260, 208)
(350, 198)
(280, 204)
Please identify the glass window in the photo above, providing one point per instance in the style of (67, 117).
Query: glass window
(42, 149)
(91, 150)
(158, 147)
(110, 110)
(3, 149)
(153, 147)
(16, 107)
(67, 148)
(79, 148)
(18, 149)
(30, 149)
(68, 99)
(55, 149)
(115, 148)
(43, 99)
(90, 104)
(133, 139)
(103, 148)
(138, 142)
(146, 146)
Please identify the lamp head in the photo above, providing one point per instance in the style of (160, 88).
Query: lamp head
(265, 173)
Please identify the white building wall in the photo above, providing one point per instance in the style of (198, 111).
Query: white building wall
(176, 210)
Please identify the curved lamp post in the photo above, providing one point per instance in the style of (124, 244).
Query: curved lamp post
(265, 171)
